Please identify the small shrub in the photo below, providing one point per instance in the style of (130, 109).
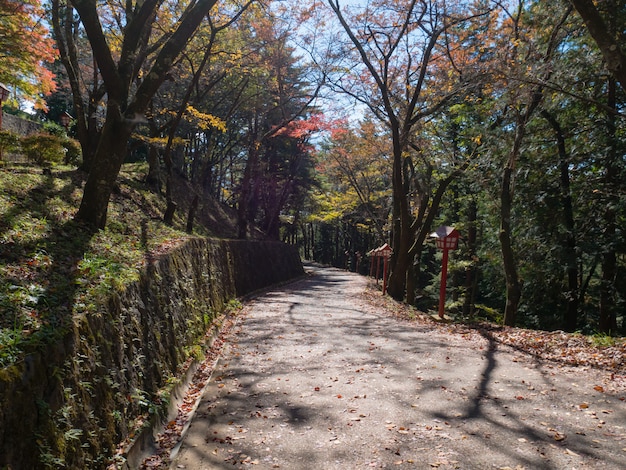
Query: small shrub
(43, 148)
(51, 127)
(9, 142)
(602, 340)
(73, 151)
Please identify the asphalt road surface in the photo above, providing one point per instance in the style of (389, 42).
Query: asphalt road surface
(314, 377)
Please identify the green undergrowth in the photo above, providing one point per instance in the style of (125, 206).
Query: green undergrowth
(52, 268)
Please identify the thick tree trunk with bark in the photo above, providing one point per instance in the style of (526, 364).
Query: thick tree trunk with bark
(402, 236)
(513, 286)
(127, 97)
(84, 102)
(191, 215)
(411, 281)
(153, 178)
(608, 314)
(105, 169)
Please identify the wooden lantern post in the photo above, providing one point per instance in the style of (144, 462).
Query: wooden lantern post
(385, 252)
(447, 238)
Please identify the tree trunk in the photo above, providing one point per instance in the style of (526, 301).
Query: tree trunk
(105, 169)
(513, 286)
(246, 190)
(402, 239)
(568, 239)
(608, 314)
(397, 279)
(192, 213)
(153, 178)
(84, 107)
(411, 282)
(170, 209)
(470, 272)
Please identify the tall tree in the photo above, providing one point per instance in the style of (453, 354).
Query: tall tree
(569, 243)
(390, 50)
(83, 77)
(194, 88)
(121, 58)
(524, 88)
(280, 96)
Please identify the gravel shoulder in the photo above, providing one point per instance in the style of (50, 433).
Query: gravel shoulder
(313, 376)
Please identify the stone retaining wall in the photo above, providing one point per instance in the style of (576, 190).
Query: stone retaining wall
(19, 126)
(71, 404)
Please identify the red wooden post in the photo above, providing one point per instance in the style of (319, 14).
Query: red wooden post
(385, 275)
(447, 238)
(444, 277)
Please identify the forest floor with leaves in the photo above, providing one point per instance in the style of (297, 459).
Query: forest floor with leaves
(327, 373)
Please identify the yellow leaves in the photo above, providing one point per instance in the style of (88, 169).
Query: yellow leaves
(333, 205)
(159, 142)
(204, 120)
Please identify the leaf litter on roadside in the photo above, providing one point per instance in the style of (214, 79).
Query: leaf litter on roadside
(172, 431)
(571, 349)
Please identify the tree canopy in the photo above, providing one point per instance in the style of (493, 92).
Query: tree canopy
(340, 127)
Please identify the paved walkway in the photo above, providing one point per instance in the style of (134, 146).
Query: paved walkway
(314, 378)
